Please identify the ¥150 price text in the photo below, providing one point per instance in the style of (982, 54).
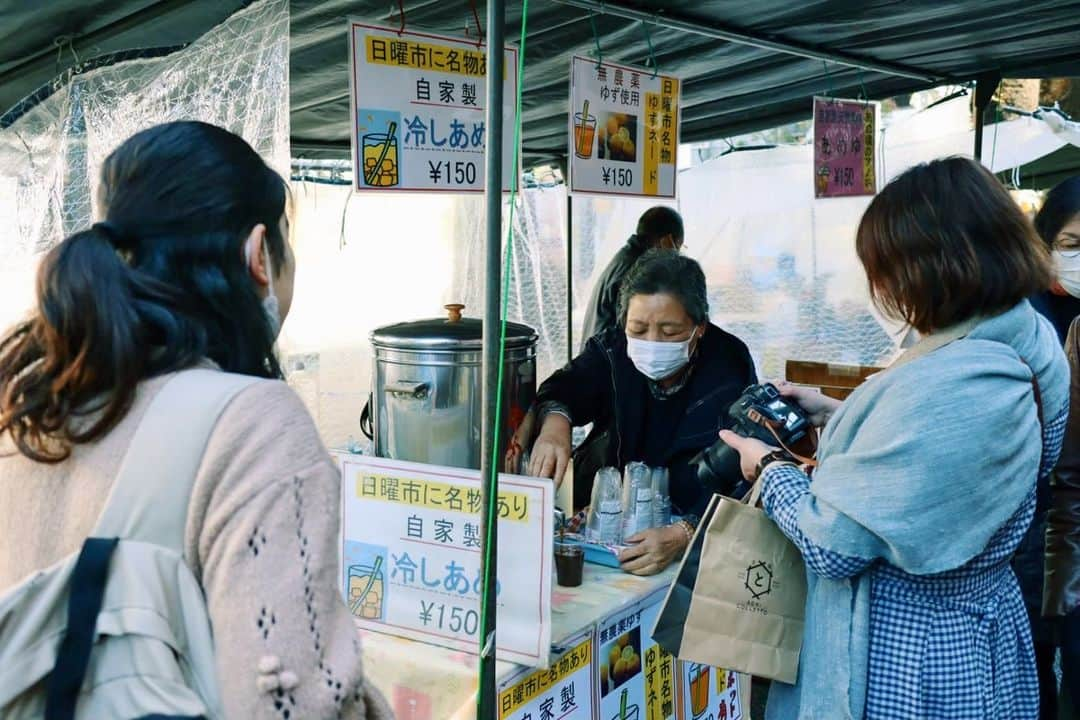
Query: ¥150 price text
(618, 177)
(452, 172)
(440, 616)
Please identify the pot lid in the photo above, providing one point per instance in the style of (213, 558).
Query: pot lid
(453, 332)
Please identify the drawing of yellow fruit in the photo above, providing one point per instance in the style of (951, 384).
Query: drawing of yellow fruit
(623, 641)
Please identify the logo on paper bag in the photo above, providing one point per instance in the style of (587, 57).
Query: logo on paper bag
(758, 579)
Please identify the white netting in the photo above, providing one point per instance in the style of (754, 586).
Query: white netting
(235, 76)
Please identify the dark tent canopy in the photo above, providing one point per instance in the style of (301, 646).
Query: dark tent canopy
(786, 51)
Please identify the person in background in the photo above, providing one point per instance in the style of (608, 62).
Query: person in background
(656, 388)
(658, 227)
(927, 474)
(191, 267)
(1058, 225)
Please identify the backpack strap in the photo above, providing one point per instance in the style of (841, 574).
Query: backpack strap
(148, 503)
(87, 592)
(149, 499)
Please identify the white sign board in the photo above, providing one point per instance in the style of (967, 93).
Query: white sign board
(710, 693)
(565, 692)
(623, 130)
(636, 678)
(411, 553)
(417, 109)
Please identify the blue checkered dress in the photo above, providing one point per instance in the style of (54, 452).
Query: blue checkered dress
(955, 645)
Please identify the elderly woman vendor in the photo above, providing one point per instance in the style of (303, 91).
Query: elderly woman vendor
(656, 390)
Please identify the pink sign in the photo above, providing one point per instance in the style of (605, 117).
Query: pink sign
(844, 142)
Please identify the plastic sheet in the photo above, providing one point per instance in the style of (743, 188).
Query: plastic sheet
(236, 76)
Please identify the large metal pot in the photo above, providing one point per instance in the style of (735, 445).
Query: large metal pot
(426, 388)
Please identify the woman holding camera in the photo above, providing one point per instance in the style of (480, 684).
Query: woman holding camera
(927, 473)
(656, 390)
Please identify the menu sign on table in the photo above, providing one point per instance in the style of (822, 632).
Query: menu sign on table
(412, 548)
(636, 678)
(417, 109)
(710, 693)
(844, 147)
(623, 134)
(563, 692)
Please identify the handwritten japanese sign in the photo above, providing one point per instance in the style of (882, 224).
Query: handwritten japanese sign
(411, 555)
(417, 107)
(563, 692)
(623, 130)
(710, 693)
(844, 145)
(633, 671)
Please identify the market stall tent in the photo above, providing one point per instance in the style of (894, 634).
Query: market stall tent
(875, 49)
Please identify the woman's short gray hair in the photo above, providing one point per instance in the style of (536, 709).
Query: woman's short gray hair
(667, 271)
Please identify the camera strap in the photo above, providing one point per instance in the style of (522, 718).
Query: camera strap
(812, 437)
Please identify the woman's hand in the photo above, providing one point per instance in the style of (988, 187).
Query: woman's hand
(818, 406)
(551, 451)
(750, 452)
(653, 550)
(521, 439)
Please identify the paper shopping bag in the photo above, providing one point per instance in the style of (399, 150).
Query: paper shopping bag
(739, 599)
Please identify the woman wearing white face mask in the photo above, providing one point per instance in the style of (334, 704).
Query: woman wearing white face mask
(656, 389)
(1058, 224)
(1055, 530)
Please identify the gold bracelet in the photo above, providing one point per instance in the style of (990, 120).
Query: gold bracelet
(688, 529)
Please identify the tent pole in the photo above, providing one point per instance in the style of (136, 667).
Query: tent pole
(985, 87)
(487, 699)
(569, 275)
(742, 37)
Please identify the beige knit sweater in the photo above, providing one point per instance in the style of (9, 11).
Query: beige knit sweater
(262, 538)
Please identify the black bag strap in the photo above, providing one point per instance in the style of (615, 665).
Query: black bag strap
(87, 592)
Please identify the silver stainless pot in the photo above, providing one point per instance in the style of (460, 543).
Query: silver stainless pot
(426, 388)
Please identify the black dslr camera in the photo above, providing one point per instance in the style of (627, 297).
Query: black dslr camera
(759, 413)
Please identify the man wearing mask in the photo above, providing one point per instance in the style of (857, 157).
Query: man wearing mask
(656, 388)
(659, 227)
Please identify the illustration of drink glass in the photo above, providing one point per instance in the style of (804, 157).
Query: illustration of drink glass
(366, 590)
(380, 155)
(699, 689)
(584, 135)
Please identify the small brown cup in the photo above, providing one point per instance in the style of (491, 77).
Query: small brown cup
(569, 564)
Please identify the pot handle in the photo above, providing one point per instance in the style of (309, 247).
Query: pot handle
(408, 388)
(366, 426)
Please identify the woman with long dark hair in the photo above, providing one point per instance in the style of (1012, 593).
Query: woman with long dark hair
(190, 267)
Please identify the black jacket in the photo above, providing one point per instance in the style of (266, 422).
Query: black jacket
(1058, 309)
(602, 386)
(602, 314)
